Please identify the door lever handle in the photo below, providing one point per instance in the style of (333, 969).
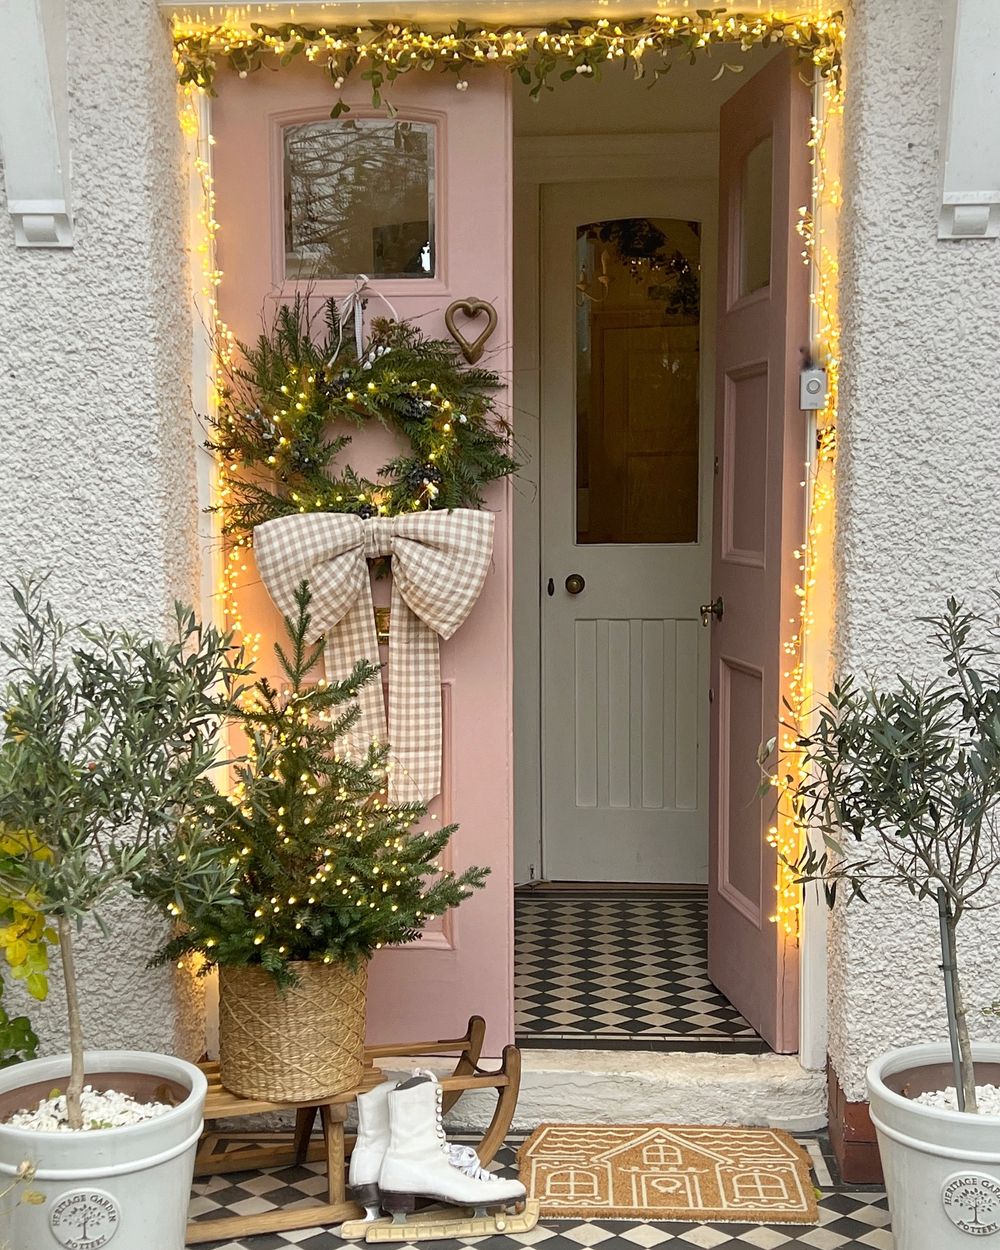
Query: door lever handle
(715, 609)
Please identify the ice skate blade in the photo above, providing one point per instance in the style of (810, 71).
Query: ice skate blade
(443, 1224)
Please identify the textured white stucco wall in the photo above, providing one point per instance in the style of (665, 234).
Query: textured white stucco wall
(97, 457)
(917, 499)
(96, 446)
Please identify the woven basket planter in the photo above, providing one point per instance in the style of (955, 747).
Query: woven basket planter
(292, 1045)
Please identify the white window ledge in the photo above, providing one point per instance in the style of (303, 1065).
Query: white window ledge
(34, 136)
(970, 131)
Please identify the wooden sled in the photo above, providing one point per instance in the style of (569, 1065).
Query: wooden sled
(335, 1147)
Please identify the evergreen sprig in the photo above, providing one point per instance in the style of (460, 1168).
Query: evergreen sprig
(328, 869)
(282, 417)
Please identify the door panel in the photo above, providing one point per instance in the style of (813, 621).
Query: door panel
(763, 329)
(427, 205)
(741, 707)
(626, 503)
(744, 466)
(636, 682)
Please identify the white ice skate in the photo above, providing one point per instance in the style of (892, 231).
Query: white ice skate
(373, 1140)
(370, 1147)
(418, 1162)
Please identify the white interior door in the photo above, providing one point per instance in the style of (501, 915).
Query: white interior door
(627, 290)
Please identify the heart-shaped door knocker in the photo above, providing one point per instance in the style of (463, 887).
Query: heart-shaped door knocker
(472, 308)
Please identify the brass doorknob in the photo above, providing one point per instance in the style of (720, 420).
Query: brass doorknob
(575, 583)
(712, 609)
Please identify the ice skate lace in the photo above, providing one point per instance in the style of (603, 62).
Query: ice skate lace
(464, 1158)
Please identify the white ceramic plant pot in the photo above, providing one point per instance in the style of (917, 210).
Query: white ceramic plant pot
(125, 1188)
(942, 1168)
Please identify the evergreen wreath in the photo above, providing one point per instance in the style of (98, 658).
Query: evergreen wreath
(279, 425)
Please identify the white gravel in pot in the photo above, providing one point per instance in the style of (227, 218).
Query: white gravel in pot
(104, 1109)
(987, 1099)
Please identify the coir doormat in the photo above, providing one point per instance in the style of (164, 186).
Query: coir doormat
(669, 1172)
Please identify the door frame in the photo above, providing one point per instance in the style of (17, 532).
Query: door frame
(539, 161)
(536, 161)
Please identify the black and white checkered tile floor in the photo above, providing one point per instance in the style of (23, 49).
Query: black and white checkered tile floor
(619, 968)
(616, 968)
(850, 1219)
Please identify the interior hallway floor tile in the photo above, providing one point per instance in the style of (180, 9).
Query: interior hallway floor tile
(619, 968)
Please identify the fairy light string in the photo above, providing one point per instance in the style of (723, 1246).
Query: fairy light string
(535, 56)
(816, 227)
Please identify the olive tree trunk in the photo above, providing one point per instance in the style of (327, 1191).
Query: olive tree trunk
(75, 1087)
(958, 1021)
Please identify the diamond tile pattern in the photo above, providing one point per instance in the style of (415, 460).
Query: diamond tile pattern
(619, 968)
(848, 1219)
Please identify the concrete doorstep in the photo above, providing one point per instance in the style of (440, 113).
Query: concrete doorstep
(640, 1086)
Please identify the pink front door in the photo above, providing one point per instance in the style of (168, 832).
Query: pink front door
(464, 963)
(760, 448)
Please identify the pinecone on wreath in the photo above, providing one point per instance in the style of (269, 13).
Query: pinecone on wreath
(366, 511)
(412, 409)
(422, 476)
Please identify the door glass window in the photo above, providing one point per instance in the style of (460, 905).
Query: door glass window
(359, 198)
(637, 315)
(755, 218)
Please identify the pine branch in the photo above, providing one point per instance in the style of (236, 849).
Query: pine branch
(328, 868)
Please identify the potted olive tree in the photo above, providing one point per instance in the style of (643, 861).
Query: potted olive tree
(107, 745)
(901, 785)
(328, 871)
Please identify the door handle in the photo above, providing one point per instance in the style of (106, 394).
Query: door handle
(575, 583)
(712, 609)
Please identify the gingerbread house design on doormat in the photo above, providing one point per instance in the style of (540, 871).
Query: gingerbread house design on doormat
(667, 1172)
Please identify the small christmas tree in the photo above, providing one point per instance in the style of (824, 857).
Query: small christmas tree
(328, 869)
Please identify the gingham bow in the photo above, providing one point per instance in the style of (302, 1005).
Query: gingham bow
(439, 564)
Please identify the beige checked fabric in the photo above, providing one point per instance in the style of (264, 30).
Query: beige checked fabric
(439, 564)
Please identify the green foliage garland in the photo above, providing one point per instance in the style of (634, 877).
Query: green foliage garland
(279, 427)
(564, 50)
(327, 869)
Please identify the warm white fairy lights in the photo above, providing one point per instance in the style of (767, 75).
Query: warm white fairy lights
(817, 229)
(535, 55)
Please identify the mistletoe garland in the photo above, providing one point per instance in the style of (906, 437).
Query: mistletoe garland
(279, 425)
(564, 50)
